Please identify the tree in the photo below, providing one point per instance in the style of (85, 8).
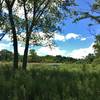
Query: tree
(37, 16)
(89, 58)
(42, 16)
(8, 25)
(6, 55)
(33, 57)
(97, 46)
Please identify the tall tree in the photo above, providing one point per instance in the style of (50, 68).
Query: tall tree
(36, 16)
(7, 24)
(42, 16)
(10, 4)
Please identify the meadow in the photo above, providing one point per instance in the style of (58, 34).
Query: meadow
(50, 82)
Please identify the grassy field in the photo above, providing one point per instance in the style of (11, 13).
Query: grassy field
(50, 82)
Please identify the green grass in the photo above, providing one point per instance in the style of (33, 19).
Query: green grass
(50, 82)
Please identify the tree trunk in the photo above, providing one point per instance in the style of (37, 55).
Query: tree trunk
(25, 57)
(0, 8)
(15, 44)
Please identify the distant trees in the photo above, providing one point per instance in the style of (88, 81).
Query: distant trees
(90, 58)
(33, 57)
(62, 59)
(48, 59)
(6, 55)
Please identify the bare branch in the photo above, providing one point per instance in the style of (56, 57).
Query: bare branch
(97, 18)
(39, 14)
(42, 10)
(40, 5)
(87, 15)
(1, 36)
(26, 15)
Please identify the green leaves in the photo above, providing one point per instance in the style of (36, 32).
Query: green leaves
(96, 5)
(93, 13)
(97, 46)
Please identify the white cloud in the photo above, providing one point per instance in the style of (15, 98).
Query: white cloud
(59, 37)
(47, 51)
(71, 35)
(5, 46)
(82, 52)
(78, 53)
(20, 49)
(7, 38)
(83, 39)
(68, 36)
(9, 47)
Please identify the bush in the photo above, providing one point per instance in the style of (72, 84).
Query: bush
(96, 62)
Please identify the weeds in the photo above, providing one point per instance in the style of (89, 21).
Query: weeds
(64, 82)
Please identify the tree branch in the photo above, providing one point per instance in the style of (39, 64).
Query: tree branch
(12, 3)
(2, 35)
(87, 15)
(39, 14)
(40, 5)
(96, 18)
(42, 10)
(26, 17)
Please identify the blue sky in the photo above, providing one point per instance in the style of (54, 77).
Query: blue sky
(75, 39)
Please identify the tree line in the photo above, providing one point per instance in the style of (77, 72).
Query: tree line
(6, 55)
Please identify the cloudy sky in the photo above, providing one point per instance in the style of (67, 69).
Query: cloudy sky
(75, 39)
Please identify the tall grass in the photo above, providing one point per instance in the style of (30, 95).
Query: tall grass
(50, 82)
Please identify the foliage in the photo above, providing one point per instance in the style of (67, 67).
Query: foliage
(51, 59)
(96, 5)
(33, 57)
(93, 13)
(97, 46)
(6, 55)
(42, 82)
(96, 61)
(89, 59)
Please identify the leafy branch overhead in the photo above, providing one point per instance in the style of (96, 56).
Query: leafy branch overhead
(88, 15)
(93, 14)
